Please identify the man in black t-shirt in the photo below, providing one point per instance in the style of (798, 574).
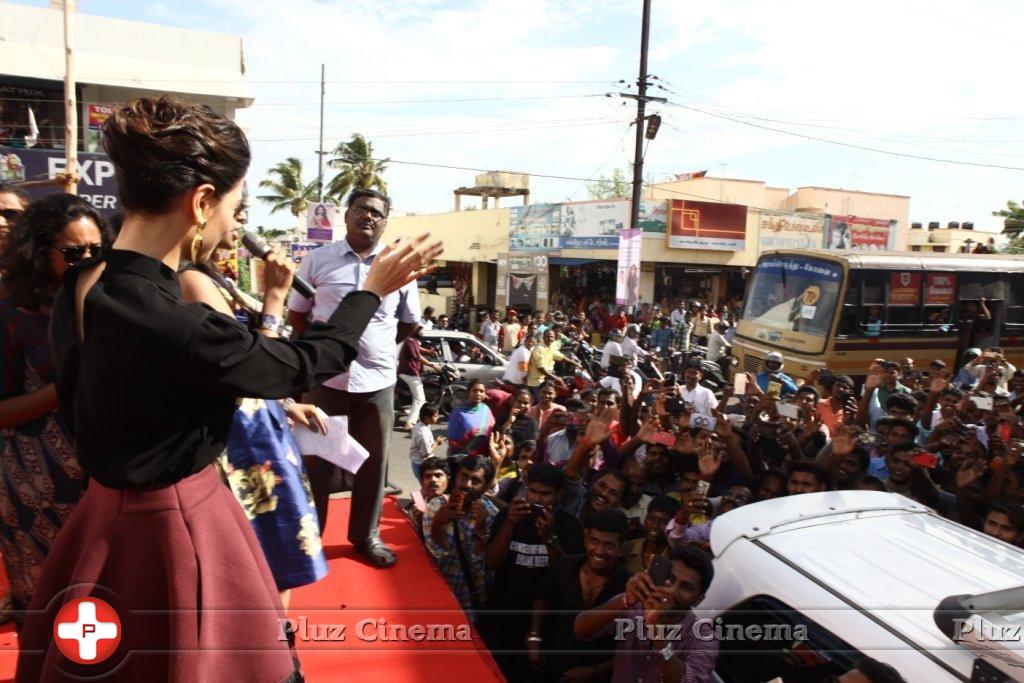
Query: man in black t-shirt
(525, 539)
(574, 584)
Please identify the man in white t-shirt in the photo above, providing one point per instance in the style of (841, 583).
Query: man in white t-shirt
(702, 398)
(489, 330)
(519, 362)
(510, 331)
(612, 348)
(716, 342)
(631, 344)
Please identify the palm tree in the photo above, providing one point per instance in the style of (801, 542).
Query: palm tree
(289, 190)
(358, 170)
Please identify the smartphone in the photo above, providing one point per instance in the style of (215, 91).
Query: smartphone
(660, 570)
(982, 402)
(788, 410)
(674, 406)
(576, 419)
(736, 421)
(703, 487)
(739, 383)
(536, 510)
(868, 438)
(703, 421)
(774, 389)
(655, 383)
(926, 459)
(670, 380)
(459, 500)
(666, 439)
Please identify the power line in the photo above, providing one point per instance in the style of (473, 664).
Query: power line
(907, 155)
(602, 122)
(372, 102)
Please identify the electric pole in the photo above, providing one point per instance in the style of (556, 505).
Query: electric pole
(70, 175)
(320, 152)
(641, 101)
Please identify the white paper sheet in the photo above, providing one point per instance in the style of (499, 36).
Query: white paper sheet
(336, 446)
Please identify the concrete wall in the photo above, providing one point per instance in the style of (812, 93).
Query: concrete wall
(855, 203)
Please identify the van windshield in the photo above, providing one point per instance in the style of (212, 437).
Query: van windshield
(793, 293)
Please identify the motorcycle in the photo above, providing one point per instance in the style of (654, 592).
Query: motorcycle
(442, 388)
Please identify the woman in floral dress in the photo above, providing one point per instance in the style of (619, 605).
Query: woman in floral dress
(40, 478)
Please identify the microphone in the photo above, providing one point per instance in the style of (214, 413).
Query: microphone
(259, 248)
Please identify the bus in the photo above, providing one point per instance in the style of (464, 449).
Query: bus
(842, 309)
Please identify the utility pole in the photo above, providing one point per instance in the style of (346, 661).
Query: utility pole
(320, 152)
(641, 102)
(70, 175)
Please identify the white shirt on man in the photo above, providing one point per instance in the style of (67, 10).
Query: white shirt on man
(518, 365)
(702, 398)
(335, 270)
(612, 348)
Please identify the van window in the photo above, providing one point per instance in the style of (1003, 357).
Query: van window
(762, 638)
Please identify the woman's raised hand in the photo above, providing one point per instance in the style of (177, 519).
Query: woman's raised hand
(401, 262)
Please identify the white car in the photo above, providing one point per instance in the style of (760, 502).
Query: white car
(472, 357)
(805, 585)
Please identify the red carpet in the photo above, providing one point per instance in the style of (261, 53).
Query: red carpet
(411, 596)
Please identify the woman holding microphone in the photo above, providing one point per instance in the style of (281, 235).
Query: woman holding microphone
(149, 384)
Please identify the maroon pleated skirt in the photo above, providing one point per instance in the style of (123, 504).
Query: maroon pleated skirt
(183, 570)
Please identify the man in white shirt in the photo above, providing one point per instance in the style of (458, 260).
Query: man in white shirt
(489, 330)
(631, 344)
(678, 314)
(702, 398)
(427, 321)
(519, 362)
(366, 392)
(612, 348)
(716, 342)
(612, 381)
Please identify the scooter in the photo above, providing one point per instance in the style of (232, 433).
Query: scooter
(440, 388)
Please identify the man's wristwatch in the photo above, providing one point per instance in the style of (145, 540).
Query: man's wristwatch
(271, 323)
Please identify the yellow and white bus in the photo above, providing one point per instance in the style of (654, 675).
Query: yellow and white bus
(842, 309)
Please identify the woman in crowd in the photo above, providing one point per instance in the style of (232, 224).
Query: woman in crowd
(42, 480)
(262, 463)
(469, 419)
(150, 385)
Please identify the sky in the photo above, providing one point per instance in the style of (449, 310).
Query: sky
(792, 92)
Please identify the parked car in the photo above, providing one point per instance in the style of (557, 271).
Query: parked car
(806, 585)
(472, 357)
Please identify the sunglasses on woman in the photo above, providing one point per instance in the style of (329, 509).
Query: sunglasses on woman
(76, 252)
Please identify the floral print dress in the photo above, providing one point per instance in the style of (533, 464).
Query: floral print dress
(40, 478)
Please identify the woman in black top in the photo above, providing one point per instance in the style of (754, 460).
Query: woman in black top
(148, 384)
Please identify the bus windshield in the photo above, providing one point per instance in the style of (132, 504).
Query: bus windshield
(794, 294)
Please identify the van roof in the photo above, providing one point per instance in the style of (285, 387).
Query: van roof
(880, 552)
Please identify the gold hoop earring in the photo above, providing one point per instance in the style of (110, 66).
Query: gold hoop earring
(197, 242)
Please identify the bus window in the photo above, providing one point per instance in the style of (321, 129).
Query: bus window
(903, 320)
(1013, 316)
(938, 319)
(849, 322)
(871, 320)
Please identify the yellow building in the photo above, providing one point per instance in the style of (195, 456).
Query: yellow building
(774, 218)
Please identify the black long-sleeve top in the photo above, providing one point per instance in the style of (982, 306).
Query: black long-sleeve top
(151, 391)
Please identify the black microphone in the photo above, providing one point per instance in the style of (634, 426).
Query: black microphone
(259, 248)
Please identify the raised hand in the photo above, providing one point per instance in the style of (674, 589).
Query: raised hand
(401, 262)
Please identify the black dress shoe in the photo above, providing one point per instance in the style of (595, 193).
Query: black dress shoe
(376, 553)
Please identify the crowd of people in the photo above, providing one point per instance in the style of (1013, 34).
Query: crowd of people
(579, 489)
(548, 512)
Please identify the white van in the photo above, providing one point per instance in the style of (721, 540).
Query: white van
(806, 585)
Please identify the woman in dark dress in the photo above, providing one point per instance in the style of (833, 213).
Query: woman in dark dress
(149, 385)
(40, 479)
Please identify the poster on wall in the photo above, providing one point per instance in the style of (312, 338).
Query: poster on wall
(706, 225)
(512, 266)
(320, 222)
(593, 225)
(96, 182)
(939, 289)
(905, 288)
(534, 228)
(627, 280)
(96, 116)
(785, 230)
(857, 232)
(653, 218)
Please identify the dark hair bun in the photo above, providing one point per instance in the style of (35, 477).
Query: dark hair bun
(162, 147)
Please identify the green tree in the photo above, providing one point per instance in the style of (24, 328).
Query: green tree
(618, 186)
(1013, 226)
(357, 168)
(287, 188)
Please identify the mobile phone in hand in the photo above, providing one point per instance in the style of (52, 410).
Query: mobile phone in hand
(459, 500)
(660, 570)
(666, 439)
(536, 510)
(788, 410)
(925, 459)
